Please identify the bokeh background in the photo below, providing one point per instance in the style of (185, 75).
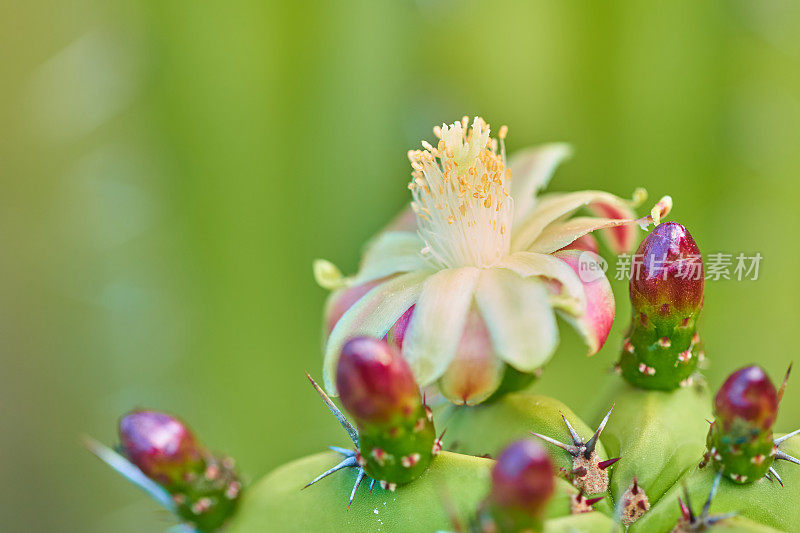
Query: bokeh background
(170, 169)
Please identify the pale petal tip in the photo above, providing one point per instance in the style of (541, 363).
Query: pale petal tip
(661, 209)
(327, 275)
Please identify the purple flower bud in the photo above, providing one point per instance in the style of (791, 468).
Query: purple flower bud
(375, 383)
(667, 274)
(160, 445)
(523, 478)
(748, 395)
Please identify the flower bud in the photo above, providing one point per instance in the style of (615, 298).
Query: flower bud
(667, 274)
(375, 382)
(160, 445)
(747, 395)
(523, 478)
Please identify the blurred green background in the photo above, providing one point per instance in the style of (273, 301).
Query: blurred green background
(171, 168)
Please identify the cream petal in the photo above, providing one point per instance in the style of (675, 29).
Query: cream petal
(594, 324)
(531, 170)
(341, 300)
(372, 315)
(560, 234)
(405, 221)
(475, 373)
(390, 253)
(528, 264)
(519, 317)
(621, 238)
(438, 322)
(553, 207)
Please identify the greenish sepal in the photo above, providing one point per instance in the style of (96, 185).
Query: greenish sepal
(763, 502)
(658, 435)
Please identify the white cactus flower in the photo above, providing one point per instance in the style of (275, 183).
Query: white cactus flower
(468, 282)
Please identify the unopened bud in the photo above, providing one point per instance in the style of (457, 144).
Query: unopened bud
(667, 276)
(748, 395)
(523, 478)
(163, 448)
(375, 382)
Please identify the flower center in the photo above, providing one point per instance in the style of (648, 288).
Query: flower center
(460, 196)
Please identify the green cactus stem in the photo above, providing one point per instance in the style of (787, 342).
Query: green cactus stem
(588, 472)
(740, 441)
(486, 429)
(660, 435)
(662, 349)
(160, 454)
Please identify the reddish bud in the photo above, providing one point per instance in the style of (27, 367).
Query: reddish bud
(523, 477)
(160, 445)
(375, 383)
(749, 395)
(667, 271)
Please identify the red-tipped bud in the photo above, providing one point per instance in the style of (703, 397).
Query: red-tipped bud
(523, 478)
(748, 395)
(375, 383)
(160, 445)
(667, 273)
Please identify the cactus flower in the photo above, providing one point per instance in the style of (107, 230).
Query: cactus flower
(740, 441)
(481, 269)
(662, 348)
(522, 483)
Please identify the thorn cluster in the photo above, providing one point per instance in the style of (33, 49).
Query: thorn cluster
(588, 474)
(634, 503)
(689, 521)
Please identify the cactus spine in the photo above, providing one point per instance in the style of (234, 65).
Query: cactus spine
(662, 348)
